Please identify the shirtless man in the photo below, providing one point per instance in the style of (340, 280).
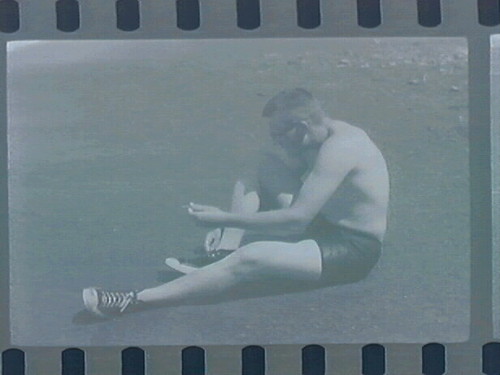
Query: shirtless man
(325, 211)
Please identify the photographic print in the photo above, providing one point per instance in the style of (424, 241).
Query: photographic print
(271, 191)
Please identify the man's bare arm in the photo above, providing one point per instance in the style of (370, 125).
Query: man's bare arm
(334, 161)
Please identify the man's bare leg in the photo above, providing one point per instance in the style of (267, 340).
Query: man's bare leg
(229, 238)
(293, 261)
(298, 262)
(245, 203)
(240, 203)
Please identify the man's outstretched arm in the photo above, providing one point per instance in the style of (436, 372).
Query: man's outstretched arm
(333, 163)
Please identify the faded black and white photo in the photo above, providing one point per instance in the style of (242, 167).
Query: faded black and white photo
(220, 191)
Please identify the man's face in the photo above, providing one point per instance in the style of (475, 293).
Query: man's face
(289, 133)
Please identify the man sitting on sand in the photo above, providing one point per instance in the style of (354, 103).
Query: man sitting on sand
(322, 217)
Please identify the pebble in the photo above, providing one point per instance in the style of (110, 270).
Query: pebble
(455, 88)
(343, 63)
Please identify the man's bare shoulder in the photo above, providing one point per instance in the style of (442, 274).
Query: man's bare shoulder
(348, 145)
(347, 137)
(340, 148)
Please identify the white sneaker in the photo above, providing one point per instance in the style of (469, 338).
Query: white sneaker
(104, 303)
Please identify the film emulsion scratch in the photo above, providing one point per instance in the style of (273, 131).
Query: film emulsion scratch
(53, 178)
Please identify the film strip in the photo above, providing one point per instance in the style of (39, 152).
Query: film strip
(464, 25)
(308, 14)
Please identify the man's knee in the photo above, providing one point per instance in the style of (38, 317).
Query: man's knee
(252, 254)
(250, 258)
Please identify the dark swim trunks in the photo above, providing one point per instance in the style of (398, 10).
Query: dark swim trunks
(347, 255)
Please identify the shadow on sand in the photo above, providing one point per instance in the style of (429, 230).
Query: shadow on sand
(246, 291)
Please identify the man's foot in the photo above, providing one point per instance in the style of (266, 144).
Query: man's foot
(105, 304)
(205, 259)
(176, 265)
(186, 266)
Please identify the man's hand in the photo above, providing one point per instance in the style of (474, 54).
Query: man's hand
(213, 240)
(207, 215)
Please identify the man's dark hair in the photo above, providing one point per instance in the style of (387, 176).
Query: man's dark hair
(288, 100)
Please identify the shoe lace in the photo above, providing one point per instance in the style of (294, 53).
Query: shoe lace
(118, 300)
